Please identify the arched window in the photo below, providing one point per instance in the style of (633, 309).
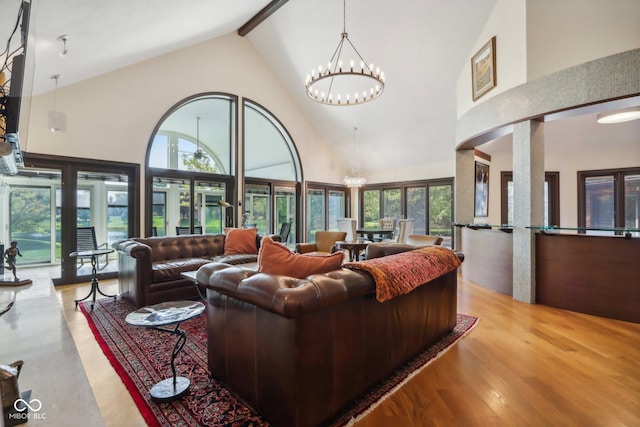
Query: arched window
(272, 173)
(191, 163)
(196, 136)
(269, 150)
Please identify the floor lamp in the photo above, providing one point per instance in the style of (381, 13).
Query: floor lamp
(224, 205)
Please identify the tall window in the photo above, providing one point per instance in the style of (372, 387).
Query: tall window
(609, 198)
(429, 203)
(371, 208)
(551, 198)
(257, 199)
(31, 223)
(325, 205)
(316, 208)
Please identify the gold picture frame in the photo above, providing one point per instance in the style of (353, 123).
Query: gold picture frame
(483, 70)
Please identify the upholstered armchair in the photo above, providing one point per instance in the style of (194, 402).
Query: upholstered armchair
(423, 240)
(325, 243)
(405, 227)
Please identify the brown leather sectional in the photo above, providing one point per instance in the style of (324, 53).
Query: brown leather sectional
(299, 350)
(149, 268)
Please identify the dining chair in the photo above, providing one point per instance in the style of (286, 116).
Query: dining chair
(423, 240)
(405, 227)
(348, 225)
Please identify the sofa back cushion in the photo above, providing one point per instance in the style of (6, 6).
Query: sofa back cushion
(275, 258)
(240, 241)
(187, 246)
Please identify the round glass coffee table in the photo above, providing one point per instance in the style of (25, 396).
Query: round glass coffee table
(165, 314)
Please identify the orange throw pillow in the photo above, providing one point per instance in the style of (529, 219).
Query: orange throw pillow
(275, 258)
(240, 241)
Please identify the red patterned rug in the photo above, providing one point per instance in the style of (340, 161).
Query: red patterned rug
(142, 356)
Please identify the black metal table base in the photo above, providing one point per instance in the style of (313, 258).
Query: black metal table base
(175, 387)
(95, 288)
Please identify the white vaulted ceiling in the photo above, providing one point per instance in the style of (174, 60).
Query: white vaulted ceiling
(422, 45)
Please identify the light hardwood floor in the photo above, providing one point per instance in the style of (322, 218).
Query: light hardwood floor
(523, 365)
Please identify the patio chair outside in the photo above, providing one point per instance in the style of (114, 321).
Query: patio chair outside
(86, 241)
(187, 230)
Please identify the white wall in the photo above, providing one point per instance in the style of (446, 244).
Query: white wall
(564, 33)
(508, 24)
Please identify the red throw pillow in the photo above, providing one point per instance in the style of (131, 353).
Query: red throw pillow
(240, 241)
(276, 258)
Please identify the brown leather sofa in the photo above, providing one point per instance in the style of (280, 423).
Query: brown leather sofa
(299, 350)
(149, 268)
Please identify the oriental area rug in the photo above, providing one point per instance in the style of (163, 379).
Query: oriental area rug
(141, 357)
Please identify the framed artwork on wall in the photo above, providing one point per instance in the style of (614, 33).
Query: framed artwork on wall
(483, 69)
(481, 194)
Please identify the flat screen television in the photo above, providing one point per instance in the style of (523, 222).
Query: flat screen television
(12, 104)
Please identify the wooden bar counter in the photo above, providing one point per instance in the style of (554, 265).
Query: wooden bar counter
(488, 258)
(597, 275)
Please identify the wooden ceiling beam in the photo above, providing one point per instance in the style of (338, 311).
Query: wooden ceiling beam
(257, 19)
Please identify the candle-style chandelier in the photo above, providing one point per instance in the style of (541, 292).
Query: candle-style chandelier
(343, 82)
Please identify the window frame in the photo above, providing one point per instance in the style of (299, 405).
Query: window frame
(553, 181)
(619, 205)
(404, 186)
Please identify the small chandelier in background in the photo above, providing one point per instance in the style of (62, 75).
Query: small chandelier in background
(56, 119)
(345, 83)
(355, 179)
(198, 153)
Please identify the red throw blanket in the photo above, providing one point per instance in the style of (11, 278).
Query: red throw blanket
(401, 273)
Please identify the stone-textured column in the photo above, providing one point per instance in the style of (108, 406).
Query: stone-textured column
(528, 204)
(464, 187)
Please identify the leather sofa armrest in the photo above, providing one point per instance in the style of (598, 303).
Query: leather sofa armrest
(133, 248)
(302, 248)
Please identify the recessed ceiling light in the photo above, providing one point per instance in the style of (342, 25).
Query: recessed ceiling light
(619, 116)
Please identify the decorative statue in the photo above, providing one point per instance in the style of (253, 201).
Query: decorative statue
(10, 255)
